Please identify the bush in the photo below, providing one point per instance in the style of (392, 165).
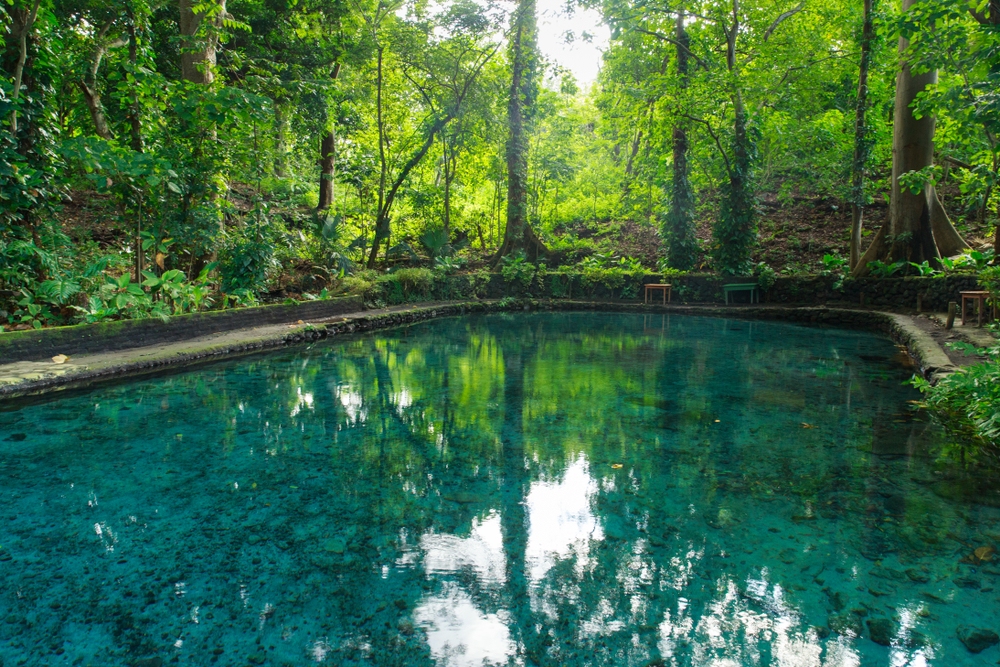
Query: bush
(967, 403)
(247, 263)
(989, 280)
(420, 280)
(766, 276)
(517, 269)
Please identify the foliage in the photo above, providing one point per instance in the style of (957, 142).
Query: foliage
(924, 269)
(435, 242)
(409, 103)
(666, 271)
(181, 295)
(880, 269)
(448, 264)
(989, 280)
(517, 269)
(974, 260)
(248, 260)
(766, 276)
(967, 402)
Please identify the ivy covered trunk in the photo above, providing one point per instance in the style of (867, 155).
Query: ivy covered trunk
(679, 232)
(518, 235)
(735, 231)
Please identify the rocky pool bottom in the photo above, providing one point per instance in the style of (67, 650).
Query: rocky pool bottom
(572, 489)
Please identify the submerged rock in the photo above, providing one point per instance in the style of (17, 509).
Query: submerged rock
(881, 630)
(848, 625)
(976, 640)
(335, 545)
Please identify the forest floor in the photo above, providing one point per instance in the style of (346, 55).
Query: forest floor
(795, 233)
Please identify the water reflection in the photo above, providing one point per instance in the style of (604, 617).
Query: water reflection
(481, 551)
(536, 490)
(459, 634)
(561, 520)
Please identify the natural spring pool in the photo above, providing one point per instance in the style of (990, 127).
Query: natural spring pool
(529, 489)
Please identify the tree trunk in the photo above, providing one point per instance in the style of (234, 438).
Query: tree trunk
(682, 245)
(197, 50)
(89, 85)
(949, 241)
(518, 236)
(281, 144)
(447, 185)
(134, 110)
(327, 167)
(381, 220)
(862, 143)
(910, 234)
(23, 22)
(328, 148)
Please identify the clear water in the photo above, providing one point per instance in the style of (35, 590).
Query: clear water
(550, 489)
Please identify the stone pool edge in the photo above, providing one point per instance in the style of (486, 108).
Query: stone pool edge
(27, 378)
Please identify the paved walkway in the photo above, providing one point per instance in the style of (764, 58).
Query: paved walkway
(26, 377)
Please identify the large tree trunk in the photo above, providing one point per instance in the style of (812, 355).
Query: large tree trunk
(518, 235)
(861, 140)
(197, 50)
(912, 220)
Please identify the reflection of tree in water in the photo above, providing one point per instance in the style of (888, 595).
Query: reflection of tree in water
(437, 458)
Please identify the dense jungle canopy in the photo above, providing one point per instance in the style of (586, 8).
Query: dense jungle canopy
(253, 147)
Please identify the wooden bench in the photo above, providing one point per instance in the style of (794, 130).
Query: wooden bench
(978, 297)
(667, 289)
(742, 287)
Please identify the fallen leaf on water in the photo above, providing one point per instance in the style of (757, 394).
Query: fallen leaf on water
(805, 425)
(616, 466)
(60, 359)
(717, 421)
(984, 553)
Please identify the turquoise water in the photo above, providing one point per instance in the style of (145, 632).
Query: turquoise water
(531, 489)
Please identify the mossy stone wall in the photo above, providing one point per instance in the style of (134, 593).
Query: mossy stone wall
(124, 334)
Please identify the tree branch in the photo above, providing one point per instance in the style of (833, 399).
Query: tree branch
(790, 13)
(715, 137)
(665, 38)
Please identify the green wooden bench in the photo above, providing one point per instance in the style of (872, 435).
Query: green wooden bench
(742, 287)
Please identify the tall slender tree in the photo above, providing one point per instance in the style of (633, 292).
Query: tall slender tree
(524, 59)
(682, 245)
(862, 135)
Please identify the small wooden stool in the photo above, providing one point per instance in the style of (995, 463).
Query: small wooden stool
(666, 288)
(979, 298)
